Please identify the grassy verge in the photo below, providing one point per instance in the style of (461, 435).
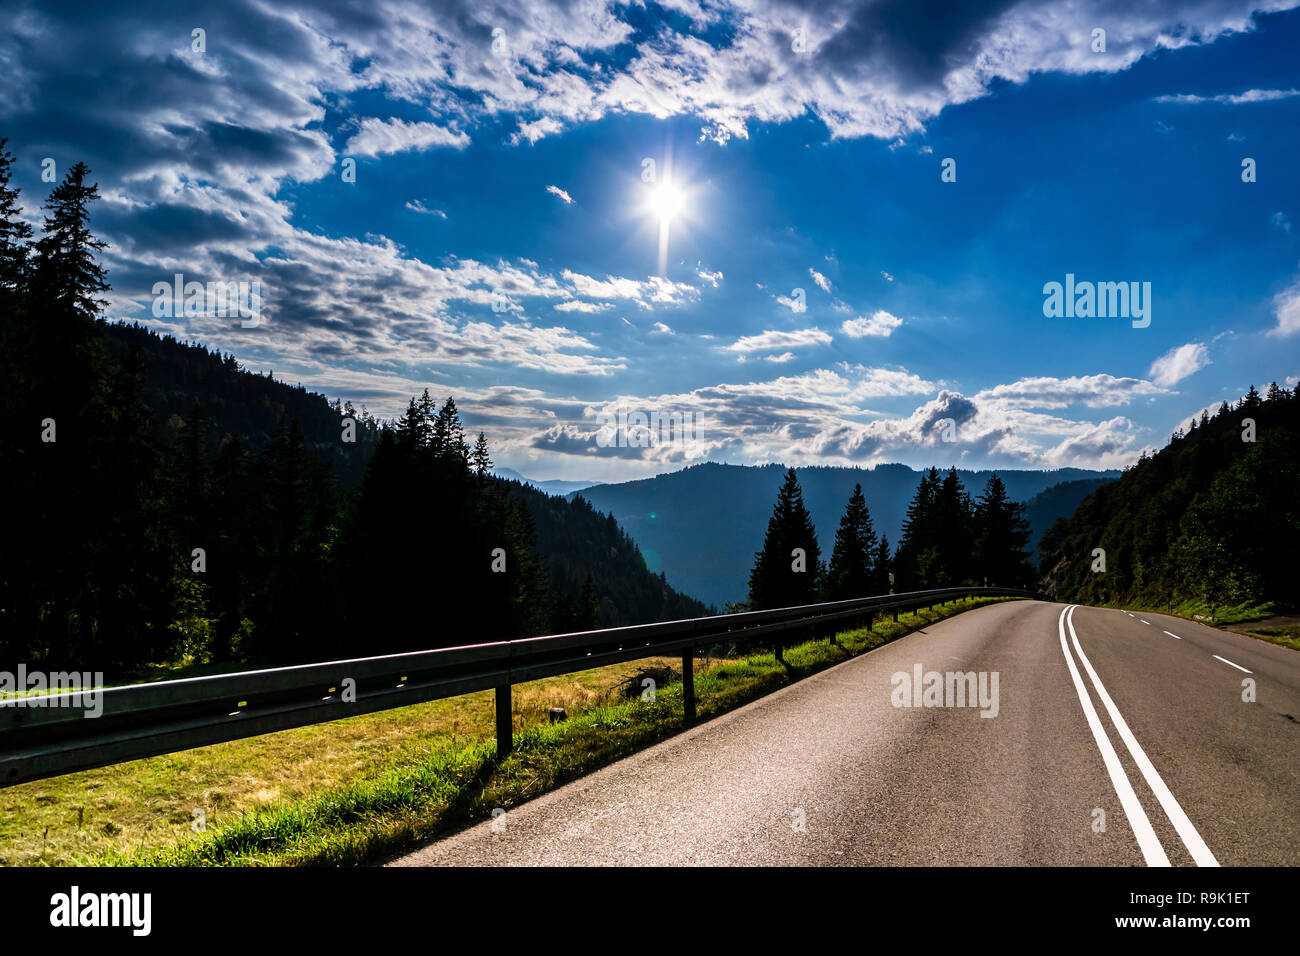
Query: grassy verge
(1285, 633)
(1237, 618)
(358, 790)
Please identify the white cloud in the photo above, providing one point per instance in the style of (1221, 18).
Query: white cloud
(780, 359)
(557, 191)
(823, 283)
(1281, 220)
(1286, 308)
(577, 305)
(881, 325)
(377, 137)
(532, 132)
(645, 293)
(416, 205)
(712, 278)
(1093, 391)
(772, 341)
(886, 276)
(1178, 363)
(1231, 99)
(660, 329)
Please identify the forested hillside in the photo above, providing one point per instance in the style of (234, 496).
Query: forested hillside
(165, 506)
(589, 556)
(179, 375)
(1058, 501)
(1214, 517)
(703, 524)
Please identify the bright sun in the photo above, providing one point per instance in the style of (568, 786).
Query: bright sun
(666, 201)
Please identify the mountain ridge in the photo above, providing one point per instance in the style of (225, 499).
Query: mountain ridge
(704, 538)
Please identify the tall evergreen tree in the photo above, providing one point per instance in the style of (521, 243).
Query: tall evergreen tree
(954, 532)
(917, 555)
(15, 233)
(780, 576)
(882, 565)
(1001, 537)
(67, 271)
(424, 426)
(411, 426)
(449, 434)
(851, 572)
(479, 458)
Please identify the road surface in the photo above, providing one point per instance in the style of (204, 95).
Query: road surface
(1165, 763)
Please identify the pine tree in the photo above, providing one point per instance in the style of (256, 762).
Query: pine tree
(479, 457)
(917, 551)
(15, 233)
(67, 272)
(780, 578)
(851, 574)
(953, 530)
(449, 434)
(881, 566)
(1002, 536)
(424, 426)
(410, 426)
(17, 342)
(526, 575)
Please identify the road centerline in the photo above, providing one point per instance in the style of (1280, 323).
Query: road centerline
(1191, 838)
(1148, 842)
(1230, 664)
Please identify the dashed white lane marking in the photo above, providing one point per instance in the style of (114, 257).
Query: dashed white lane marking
(1174, 636)
(1152, 851)
(1191, 839)
(1144, 622)
(1230, 664)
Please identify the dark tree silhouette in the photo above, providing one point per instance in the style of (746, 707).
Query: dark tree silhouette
(851, 573)
(1001, 538)
(781, 577)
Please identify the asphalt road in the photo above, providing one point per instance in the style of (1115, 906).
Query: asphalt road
(1175, 765)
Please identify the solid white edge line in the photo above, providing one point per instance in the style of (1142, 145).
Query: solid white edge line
(1174, 636)
(1230, 664)
(1195, 845)
(1152, 852)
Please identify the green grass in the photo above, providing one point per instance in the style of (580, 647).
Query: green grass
(1203, 612)
(360, 790)
(1235, 618)
(1286, 635)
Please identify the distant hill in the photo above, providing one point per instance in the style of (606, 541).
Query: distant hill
(551, 487)
(1053, 503)
(1213, 517)
(237, 402)
(702, 525)
(573, 539)
(578, 541)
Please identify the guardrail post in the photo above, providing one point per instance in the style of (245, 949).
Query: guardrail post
(688, 684)
(505, 725)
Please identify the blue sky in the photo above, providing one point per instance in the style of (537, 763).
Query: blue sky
(500, 154)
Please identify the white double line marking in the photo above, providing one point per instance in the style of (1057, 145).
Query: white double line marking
(1152, 851)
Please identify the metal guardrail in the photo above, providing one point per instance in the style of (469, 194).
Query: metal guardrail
(145, 720)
